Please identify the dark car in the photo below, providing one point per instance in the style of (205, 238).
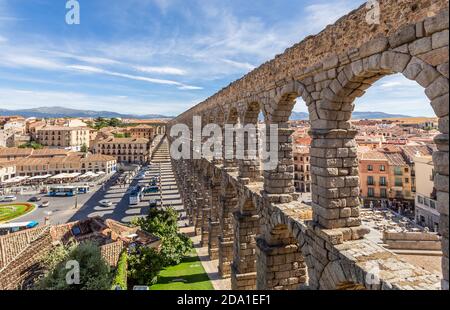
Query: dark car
(34, 199)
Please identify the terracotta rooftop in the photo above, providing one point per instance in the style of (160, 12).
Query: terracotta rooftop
(396, 159)
(373, 155)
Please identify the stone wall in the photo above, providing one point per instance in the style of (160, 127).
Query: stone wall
(328, 71)
(412, 241)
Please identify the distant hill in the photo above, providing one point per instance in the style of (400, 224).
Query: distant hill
(53, 112)
(295, 116)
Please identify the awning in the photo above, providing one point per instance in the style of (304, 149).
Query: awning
(40, 177)
(65, 176)
(16, 180)
(89, 174)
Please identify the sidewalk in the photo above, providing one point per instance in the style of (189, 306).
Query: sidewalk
(210, 266)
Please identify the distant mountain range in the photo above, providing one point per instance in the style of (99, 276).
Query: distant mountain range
(295, 116)
(52, 112)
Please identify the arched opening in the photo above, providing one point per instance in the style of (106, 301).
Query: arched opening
(280, 263)
(280, 179)
(214, 223)
(229, 145)
(246, 228)
(377, 159)
(249, 164)
(228, 205)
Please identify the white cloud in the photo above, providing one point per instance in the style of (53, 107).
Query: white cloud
(87, 59)
(163, 5)
(161, 70)
(398, 83)
(240, 65)
(90, 69)
(322, 14)
(3, 39)
(28, 61)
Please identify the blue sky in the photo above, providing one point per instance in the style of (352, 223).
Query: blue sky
(161, 56)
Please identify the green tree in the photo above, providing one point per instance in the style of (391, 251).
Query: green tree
(144, 265)
(32, 144)
(84, 148)
(163, 224)
(114, 122)
(95, 273)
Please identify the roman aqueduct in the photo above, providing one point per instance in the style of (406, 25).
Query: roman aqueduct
(250, 219)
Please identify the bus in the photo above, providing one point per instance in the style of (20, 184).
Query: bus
(15, 227)
(62, 191)
(83, 189)
(136, 195)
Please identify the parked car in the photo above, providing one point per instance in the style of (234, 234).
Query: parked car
(153, 203)
(45, 204)
(34, 199)
(9, 198)
(106, 203)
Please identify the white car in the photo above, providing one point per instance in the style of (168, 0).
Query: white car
(8, 198)
(106, 203)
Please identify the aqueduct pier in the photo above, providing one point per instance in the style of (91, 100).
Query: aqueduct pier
(250, 219)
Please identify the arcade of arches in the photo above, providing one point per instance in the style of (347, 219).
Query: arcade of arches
(251, 220)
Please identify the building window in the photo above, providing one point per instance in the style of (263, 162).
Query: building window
(382, 168)
(370, 180)
(370, 192)
(398, 182)
(420, 199)
(432, 204)
(369, 167)
(398, 171)
(406, 180)
(383, 181)
(383, 193)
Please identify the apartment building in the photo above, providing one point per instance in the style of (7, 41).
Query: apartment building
(73, 163)
(125, 150)
(426, 213)
(374, 176)
(73, 138)
(302, 168)
(141, 131)
(7, 171)
(14, 153)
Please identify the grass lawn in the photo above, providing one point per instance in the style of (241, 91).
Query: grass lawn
(11, 211)
(188, 275)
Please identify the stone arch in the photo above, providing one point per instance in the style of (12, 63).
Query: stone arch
(246, 228)
(356, 77)
(228, 205)
(232, 115)
(214, 221)
(280, 263)
(333, 128)
(284, 101)
(251, 112)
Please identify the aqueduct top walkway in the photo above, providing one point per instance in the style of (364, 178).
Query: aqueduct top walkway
(251, 219)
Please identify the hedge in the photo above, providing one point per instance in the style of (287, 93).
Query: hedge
(120, 277)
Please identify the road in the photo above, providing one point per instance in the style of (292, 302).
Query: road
(62, 210)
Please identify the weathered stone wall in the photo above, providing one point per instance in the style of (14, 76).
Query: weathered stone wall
(328, 71)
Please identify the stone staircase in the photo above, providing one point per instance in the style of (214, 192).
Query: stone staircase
(161, 154)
